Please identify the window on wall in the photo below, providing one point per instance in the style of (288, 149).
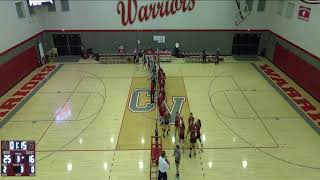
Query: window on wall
(261, 5)
(249, 3)
(65, 5)
(20, 10)
(280, 7)
(290, 10)
(159, 39)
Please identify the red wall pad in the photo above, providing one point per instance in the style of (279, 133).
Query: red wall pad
(12, 71)
(298, 70)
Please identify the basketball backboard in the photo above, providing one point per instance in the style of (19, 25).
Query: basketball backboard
(242, 12)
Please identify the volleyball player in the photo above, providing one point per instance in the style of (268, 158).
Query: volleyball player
(162, 93)
(191, 123)
(177, 123)
(182, 129)
(166, 123)
(161, 113)
(193, 140)
(148, 62)
(197, 131)
(152, 91)
(160, 99)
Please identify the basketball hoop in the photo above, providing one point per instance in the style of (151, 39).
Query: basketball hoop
(242, 13)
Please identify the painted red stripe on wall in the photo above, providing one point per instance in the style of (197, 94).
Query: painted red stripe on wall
(299, 70)
(11, 72)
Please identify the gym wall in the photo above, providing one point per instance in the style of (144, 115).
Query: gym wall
(15, 30)
(103, 15)
(192, 41)
(18, 45)
(299, 39)
(210, 25)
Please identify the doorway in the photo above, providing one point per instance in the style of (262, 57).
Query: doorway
(67, 44)
(245, 44)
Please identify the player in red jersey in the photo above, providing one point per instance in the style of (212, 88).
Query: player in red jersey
(193, 140)
(164, 119)
(197, 131)
(191, 118)
(182, 129)
(164, 75)
(164, 78)
(159, 74)
(161, 83)
(160, 99)
(191, 122)
(162, 92)
(177, 123)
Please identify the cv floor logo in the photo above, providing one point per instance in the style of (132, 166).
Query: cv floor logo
(137, 105)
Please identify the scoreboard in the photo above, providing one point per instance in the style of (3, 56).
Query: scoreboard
(18, 158)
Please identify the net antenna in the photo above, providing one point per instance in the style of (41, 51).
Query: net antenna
(242, 12)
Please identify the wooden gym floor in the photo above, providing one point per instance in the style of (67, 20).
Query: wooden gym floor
(84, 129)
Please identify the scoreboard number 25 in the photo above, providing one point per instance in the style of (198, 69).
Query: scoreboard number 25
(18, 158)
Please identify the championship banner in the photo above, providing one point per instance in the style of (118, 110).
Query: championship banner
(304, 13)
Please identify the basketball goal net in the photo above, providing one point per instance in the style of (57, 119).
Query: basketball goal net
(242, 11)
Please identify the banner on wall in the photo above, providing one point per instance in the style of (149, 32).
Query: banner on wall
(304, 13)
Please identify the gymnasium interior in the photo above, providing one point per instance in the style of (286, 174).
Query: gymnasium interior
(77, 79)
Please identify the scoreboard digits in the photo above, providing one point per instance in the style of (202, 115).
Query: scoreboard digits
(18, 158)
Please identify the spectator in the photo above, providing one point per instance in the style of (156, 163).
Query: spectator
(135, 54)
(204, 56)
(217, 56)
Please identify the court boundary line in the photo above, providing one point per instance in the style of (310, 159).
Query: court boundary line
(68, 120)
(29, 96)
(185, 90)
(53, 120)
(267, 117)
(85, 128)
(258, 149)
(257, 114)
(84, 105)
(128, 77)
(146, 149)
(234, 111)
(124, 112)
(288, 100)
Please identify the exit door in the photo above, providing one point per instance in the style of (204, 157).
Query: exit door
(245, 44)
(67, 44)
